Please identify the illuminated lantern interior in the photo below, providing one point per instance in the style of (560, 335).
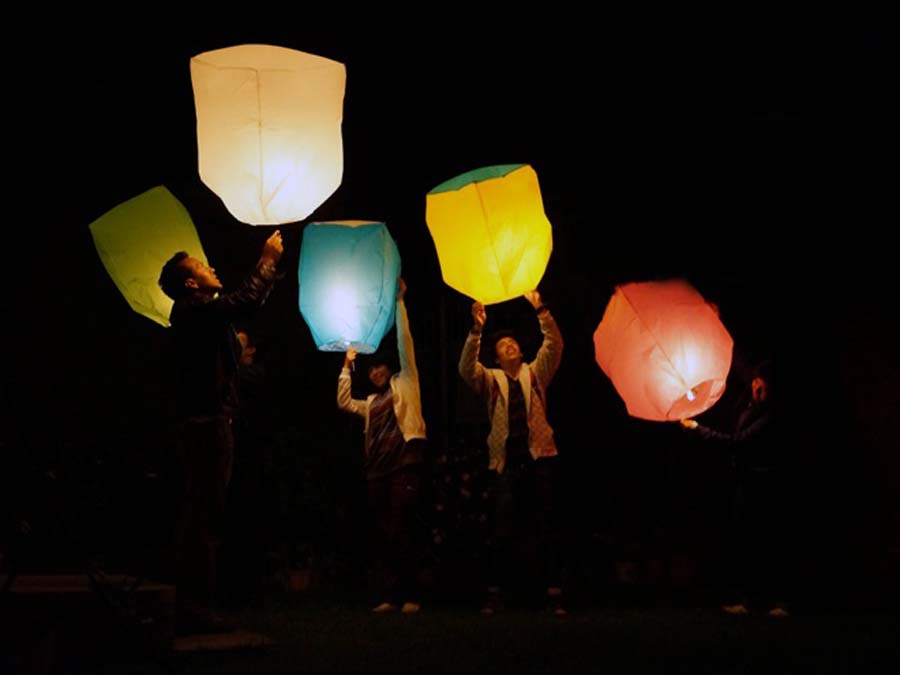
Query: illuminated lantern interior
(269, 130)
(492, 237)
(664, 349)
(348, 283)
(136, 238)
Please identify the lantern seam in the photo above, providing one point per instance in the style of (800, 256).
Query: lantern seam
(259, 145)
(490, 236)
(655, 339)
(380, 292)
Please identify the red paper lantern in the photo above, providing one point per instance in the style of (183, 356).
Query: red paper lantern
(664, 349)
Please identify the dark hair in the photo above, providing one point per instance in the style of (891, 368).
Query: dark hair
(173, 276)
(765, 370)
(496, 336)
(382, 357)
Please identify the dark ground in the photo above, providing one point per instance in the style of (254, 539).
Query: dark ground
(322, 636)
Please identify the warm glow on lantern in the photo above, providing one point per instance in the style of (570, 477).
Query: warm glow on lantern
(664, 349)
(492, 237)
(348, 283)
(269, 130)
(136, 238)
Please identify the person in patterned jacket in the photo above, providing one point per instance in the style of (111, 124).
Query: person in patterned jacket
(521, 448)
(394, 454)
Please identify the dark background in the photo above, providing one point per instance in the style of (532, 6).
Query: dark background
(758, 159)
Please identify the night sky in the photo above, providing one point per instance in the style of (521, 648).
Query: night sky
(758, 160)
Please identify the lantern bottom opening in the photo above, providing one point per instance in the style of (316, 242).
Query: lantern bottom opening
(344, 345)
(694, 401)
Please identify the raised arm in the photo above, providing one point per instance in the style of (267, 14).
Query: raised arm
(549, 355)
(344, 400)
(253, 291)
(471, 371)
(405, 349)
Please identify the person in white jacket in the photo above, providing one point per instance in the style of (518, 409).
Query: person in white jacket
(520, 446)
(394, 447)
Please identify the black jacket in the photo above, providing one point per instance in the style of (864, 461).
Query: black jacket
(758, 440)
(206, 345)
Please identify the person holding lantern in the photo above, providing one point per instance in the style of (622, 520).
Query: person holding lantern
(520, 444)
(207, 355)
(394, 454)
(759, 507)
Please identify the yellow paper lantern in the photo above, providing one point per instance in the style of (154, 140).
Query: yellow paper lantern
(492, 237)
(269, 130)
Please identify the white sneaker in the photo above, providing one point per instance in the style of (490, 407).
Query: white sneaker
(410, 607)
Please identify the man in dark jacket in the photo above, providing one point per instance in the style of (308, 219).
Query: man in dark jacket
(758, 447)
(207, 356)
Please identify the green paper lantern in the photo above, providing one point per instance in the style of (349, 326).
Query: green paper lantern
(134, 241)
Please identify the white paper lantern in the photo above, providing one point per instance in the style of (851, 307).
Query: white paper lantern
(269, 130)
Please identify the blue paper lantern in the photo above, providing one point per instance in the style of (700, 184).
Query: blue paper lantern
(348, 284)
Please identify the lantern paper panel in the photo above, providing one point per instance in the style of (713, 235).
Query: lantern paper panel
(664, 348)
(348, 284)
(136, 238)
(492, 237)
(269, 130)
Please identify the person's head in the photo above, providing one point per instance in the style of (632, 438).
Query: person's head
(379, 371)
(183, 275)
(506, 350)
(763, 382)
(248, 349)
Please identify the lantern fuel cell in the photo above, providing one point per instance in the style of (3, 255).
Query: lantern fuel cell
(348, 284)
(664, 348)
(492, 237)
(269, 130)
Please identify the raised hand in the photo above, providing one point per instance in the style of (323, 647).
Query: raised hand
(273, 248)
(349, 358)
(479, 316)
(533, 297)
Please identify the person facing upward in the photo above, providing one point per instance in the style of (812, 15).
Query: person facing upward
(207, 357)
(532, 378)
(401, 388)
(202, 317)
(521, 449)
(394, 450)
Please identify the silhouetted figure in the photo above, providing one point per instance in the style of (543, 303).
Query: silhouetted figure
(249, 508)
(207, 355)
(759, 449)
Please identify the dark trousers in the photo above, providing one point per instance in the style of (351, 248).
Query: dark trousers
(761, 520)
(249, 511)
(394, 534)
(205, 457)
(524, 511)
